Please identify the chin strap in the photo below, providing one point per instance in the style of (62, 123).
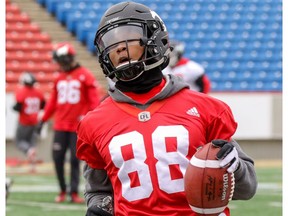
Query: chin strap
(156, 64)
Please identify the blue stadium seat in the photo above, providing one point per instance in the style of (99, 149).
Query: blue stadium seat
(238, 42)
(82, 29)
(90, 42)
(42, 2)
(80, 17)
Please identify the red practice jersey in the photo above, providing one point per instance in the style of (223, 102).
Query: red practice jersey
(31, 99)
(73, 95)
(146, 152)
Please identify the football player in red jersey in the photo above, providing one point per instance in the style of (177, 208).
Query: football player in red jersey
(192, 72)
(29, 102)
(138, 142)
(73, 95)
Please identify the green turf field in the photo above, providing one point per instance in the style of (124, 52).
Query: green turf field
(33, 195)
(267, 201)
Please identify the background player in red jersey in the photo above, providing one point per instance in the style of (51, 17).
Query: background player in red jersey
(73, 95)
(145, 133)
(192, 72)
(29, 102)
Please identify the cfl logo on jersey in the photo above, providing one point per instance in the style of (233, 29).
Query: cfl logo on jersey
(144, 116)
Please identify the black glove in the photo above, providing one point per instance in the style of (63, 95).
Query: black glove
(96, 211)
(105, 209)
(227, 155)
(39, 127)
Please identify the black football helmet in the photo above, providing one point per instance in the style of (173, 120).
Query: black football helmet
(28, 79)
(130, 22)
(63, 54)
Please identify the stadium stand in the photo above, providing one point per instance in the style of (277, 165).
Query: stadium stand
(27, 49)
(238, 41)
(241, 40)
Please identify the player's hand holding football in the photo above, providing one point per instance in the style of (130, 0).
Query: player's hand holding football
(227, 155)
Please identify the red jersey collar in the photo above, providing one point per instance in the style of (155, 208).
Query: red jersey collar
(143, 98)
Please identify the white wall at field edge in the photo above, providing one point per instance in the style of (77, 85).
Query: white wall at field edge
(259, 115)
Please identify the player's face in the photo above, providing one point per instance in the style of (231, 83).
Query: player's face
(125, 52)
(122, 44)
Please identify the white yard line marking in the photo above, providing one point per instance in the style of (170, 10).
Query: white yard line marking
(276, 204)
(38, 188)
(269, 186)
(48, 205)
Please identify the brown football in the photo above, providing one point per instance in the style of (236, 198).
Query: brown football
(208, 187)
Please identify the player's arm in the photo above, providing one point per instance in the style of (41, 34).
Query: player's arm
(93, 97)
(224, 126)
(203, 83)
(42, 104)
(199, 83)
(245, 176)
(50, 107)
(19, 101)
(98, 192)
(92, 89)
(206, 84)
(98, 189)
(17, 106)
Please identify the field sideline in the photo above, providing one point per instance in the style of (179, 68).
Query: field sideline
(32, 194)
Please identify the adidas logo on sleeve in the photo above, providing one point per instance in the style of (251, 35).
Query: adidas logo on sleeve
(193, 112)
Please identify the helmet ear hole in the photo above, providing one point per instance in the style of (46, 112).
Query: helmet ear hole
(164, 41)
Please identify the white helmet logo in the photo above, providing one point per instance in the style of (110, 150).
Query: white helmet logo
(154, 15)
(62, 50)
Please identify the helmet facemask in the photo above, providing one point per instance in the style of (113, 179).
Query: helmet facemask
(127, 65)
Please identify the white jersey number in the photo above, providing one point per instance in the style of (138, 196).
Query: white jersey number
(68, 91)
(135, 141)
(32, 105)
